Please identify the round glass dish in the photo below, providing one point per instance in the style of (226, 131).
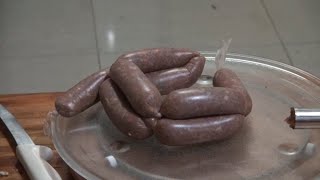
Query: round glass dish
(265, 147)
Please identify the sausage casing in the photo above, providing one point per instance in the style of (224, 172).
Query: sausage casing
(120, 113)
(177, 78)
(227, 78)
(198, 130)
(143, 96)
(155, 59)
(202, 101)
(84, 94)
(81, 96)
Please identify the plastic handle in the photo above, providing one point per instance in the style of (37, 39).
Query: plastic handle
(34, 160)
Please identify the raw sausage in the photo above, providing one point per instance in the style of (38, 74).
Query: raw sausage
(178, 78)
(198, 130)
(155, 59)
(227, 78)
(203, 101)
(120, 112)
(151, 122)
(143, 96)
(82, 95)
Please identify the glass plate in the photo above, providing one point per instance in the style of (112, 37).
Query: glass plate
(264, 148)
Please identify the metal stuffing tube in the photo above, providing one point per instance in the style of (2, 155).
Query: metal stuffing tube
(304, 118)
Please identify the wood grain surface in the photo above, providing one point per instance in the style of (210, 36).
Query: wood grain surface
(30, 111)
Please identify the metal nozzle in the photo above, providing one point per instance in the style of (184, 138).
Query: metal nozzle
(302, 118)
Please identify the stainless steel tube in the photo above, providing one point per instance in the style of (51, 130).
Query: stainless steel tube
(303, 118)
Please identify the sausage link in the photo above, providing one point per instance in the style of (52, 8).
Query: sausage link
(82, 95)
(227, 78)
(120, 113)
(155, 59)
(202, 101)
(143, 96)
(177, 78)
(150, 122)
(198, 130)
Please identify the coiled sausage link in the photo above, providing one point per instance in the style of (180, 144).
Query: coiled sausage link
(203, 101)
(177, 78)
(143, 96)
(168, 69)
(197, 130)
(227, 78)
(229, 98)
(120, 113)
(82, 95)
(156, 59)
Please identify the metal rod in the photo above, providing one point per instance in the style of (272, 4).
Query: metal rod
(303, 118)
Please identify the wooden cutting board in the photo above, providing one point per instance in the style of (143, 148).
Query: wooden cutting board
(30, 110)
